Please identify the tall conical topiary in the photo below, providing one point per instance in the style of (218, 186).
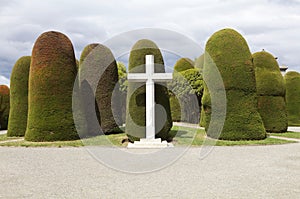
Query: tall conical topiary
(185, 106)
(183, 64)
(4, 106)
(136, 94)
(51, 81)
(292, 81)
(98, 66)
(199, 63)
(229, 51)
(271, 92)
(19, 97)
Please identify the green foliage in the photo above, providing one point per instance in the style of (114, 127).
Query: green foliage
(4, 106)
(52, 75)
(199, 62)
(19, 97)
(123, 86)
(271, 92)
(292, 80)
(229, 52)
(136, 95)
(98, 66)
(188, 85)
(183, 64)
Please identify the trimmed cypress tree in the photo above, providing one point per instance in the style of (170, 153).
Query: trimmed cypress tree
(189, 88)
(183, 64)
(136, 94)
(19, 97)
(98, 65)
(51, 80)
(4, 106)
(229, 51)
(271, 92)
(199, 63)
(292, 80)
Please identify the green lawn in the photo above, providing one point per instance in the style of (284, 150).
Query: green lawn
(180, 136)
(287, 135)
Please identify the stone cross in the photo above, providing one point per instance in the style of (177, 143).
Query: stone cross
(150, 78)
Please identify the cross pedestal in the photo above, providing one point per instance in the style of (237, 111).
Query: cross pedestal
(150, 78)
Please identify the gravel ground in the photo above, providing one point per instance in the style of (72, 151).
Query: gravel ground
(227, 172)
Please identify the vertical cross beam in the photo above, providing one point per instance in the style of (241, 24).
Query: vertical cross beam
(150, 98)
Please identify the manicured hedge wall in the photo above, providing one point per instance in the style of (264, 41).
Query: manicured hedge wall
(19, 97)
(271, 92)
(292, 80)
(229, 51)
(51, 80)
(4, 106)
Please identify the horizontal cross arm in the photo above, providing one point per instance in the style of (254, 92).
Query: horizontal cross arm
(162, 77)
(137, 77)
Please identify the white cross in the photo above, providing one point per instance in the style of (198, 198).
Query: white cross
(150, 78)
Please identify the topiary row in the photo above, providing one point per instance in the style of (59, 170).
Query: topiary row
(271, 92)
(228, 51)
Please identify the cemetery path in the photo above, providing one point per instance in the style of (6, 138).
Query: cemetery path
(227, 172)
(284, 138)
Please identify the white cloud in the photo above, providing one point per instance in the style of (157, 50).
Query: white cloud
(4, 80)
(269, 24)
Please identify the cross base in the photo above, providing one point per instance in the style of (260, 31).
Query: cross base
(149, 144)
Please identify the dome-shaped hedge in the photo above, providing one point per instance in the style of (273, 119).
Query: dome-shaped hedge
(199, 63)
(229, 51)
(19, 97)
(183, 64)
(271, 92)
(136, 94)
(4, 106)
(51, 80)
(99, 67)
(189, 88)
(292, 80)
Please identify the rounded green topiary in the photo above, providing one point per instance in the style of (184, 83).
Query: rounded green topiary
(51, 81)
(199, 63)
(271, 92)
(136, 94)
(229, 51)
(98, 65)
(4, 106)
(183, 64)
(19, 97)
(292, 80)
(189, 86)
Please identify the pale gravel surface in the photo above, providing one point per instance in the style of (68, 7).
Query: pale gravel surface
(227, 172)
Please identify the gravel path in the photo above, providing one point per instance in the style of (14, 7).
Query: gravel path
(227, 172)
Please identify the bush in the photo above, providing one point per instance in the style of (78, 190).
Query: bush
(199, 63)
(136, 95)
(183, 64)
(189, 86)
(19, 97)
(99, 67)
(271, 92)
(292, 80)
(123, 84)
(229, 51)
(4, 107)
(51, 80)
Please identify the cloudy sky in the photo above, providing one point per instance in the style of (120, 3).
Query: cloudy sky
(273, 25)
